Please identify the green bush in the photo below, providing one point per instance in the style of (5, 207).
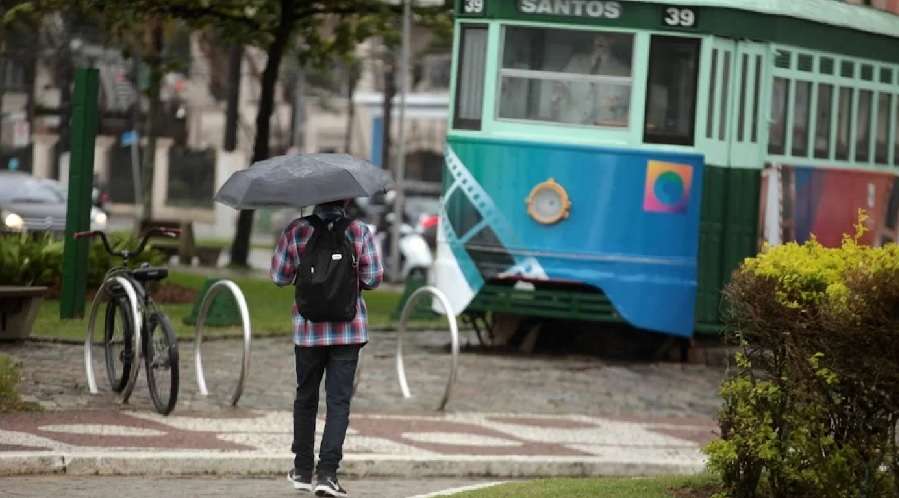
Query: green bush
(27, 259)
(812, 407)
(36, 259)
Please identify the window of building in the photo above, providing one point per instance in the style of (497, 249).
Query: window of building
(566, 76)
(671, 90)
(470, 79)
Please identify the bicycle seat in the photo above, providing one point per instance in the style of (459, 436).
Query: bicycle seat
(149, 273)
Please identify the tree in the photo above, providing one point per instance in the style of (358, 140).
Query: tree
(317, 31)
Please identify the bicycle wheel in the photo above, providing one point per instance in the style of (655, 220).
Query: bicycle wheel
(162, 363)
(117, 342)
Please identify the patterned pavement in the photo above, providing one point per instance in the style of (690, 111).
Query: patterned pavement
(459, 436)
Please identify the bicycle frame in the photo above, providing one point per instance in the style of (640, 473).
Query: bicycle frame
(119, 282)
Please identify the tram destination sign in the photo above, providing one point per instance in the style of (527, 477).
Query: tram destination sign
(595, 9)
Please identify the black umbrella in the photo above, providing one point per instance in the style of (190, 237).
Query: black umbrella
(302, 180)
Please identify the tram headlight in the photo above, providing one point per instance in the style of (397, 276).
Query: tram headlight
(548, 202)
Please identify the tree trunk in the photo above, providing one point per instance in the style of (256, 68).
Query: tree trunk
(154, 61)
(240, 249)
(389, 93)
(231, 115)
(352, 83)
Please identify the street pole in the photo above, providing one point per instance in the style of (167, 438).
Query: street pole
(400, 199)
(81, 175)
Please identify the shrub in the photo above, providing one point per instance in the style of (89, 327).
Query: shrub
(36, 259)
(812, 407)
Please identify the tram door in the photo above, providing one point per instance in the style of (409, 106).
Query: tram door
(748, 120)
(731, 132)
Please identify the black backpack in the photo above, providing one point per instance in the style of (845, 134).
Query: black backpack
(327, 282)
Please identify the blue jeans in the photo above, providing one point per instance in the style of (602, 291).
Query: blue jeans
(338, 365)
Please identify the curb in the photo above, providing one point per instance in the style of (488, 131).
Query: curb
(170, 463)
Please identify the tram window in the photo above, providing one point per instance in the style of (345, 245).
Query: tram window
(777, 132)
(711, 105)
(886, 75)
(881, 145)
(806, 62)
(847, 69)
(722, 124)
(671, 90)
(868, 72)
(863, 135)
(825, 65)
(801, 112)
(844, 123)
(896, 133)
(741, 110)
(470, 79)
(755, 101)
(782, 59)
(566, 76)
(822, 121)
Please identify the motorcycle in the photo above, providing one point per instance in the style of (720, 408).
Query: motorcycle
(415, 254)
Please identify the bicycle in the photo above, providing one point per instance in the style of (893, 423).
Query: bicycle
(157, 343)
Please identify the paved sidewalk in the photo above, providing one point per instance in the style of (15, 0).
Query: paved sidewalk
(240, 442)
(511, 416)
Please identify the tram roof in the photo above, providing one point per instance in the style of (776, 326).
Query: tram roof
(835, 13)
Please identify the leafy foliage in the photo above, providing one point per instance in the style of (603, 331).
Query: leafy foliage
(29, 259)
(812, 408)
(36, 259)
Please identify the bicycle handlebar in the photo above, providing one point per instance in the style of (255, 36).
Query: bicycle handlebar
(165, 232)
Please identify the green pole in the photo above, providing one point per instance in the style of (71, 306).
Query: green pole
(81, 176)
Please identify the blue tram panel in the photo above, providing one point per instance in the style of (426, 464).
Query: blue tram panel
(632, 230)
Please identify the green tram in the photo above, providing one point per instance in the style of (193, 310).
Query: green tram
(616, 160)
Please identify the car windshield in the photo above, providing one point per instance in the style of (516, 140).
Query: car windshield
(31, 190)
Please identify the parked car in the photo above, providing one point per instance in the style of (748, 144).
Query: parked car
(37, 204)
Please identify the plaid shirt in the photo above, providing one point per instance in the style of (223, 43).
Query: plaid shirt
(286, 260)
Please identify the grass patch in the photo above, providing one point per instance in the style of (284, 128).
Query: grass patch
(9, 394)
(269, 311)
(657, 487)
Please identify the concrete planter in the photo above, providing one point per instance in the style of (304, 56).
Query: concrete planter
(18, 309)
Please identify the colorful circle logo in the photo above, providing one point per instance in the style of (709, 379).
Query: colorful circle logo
(667, 187)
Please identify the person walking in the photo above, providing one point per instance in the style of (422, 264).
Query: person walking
(329, 258)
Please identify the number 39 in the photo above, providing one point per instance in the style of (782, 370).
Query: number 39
(474, 6)
(679, 17)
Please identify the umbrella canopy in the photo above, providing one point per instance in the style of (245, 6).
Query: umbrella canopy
(302, 180)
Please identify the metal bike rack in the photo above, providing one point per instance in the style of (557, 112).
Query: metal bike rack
(454, 338)
(214, 290)
(102, 297)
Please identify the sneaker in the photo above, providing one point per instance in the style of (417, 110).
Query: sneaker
(300, 481)
(328, 486)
